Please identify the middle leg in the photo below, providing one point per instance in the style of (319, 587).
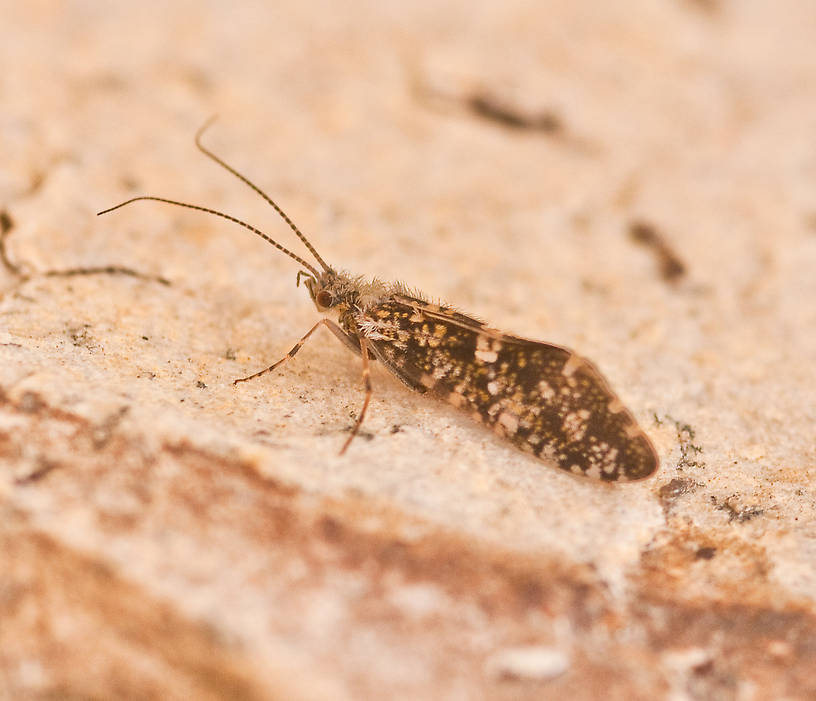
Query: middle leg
(367, 384)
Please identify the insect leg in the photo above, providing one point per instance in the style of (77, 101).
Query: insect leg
(367, 383)
(290, 354)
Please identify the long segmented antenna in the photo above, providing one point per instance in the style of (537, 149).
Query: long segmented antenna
(248, 182)
(260, 233)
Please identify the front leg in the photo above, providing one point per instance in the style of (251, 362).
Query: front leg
(290, 354)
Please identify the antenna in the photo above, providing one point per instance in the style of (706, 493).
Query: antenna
(248, 182)
(260, 233)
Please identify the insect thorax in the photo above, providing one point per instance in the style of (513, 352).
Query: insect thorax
(343, 293)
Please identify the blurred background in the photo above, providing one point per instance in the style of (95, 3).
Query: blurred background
(632, 180)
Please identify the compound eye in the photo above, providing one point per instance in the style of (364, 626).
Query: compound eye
(324, 298)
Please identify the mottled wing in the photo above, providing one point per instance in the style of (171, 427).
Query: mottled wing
(545, 399)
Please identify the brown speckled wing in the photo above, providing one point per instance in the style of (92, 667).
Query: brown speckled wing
(545, 399)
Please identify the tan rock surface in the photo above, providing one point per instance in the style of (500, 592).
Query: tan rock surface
(167, 535)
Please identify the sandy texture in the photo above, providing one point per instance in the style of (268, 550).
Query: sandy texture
(636, 182)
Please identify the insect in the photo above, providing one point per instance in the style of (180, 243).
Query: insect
(543, 398)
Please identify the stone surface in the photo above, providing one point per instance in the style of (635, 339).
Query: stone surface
(634, 181)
